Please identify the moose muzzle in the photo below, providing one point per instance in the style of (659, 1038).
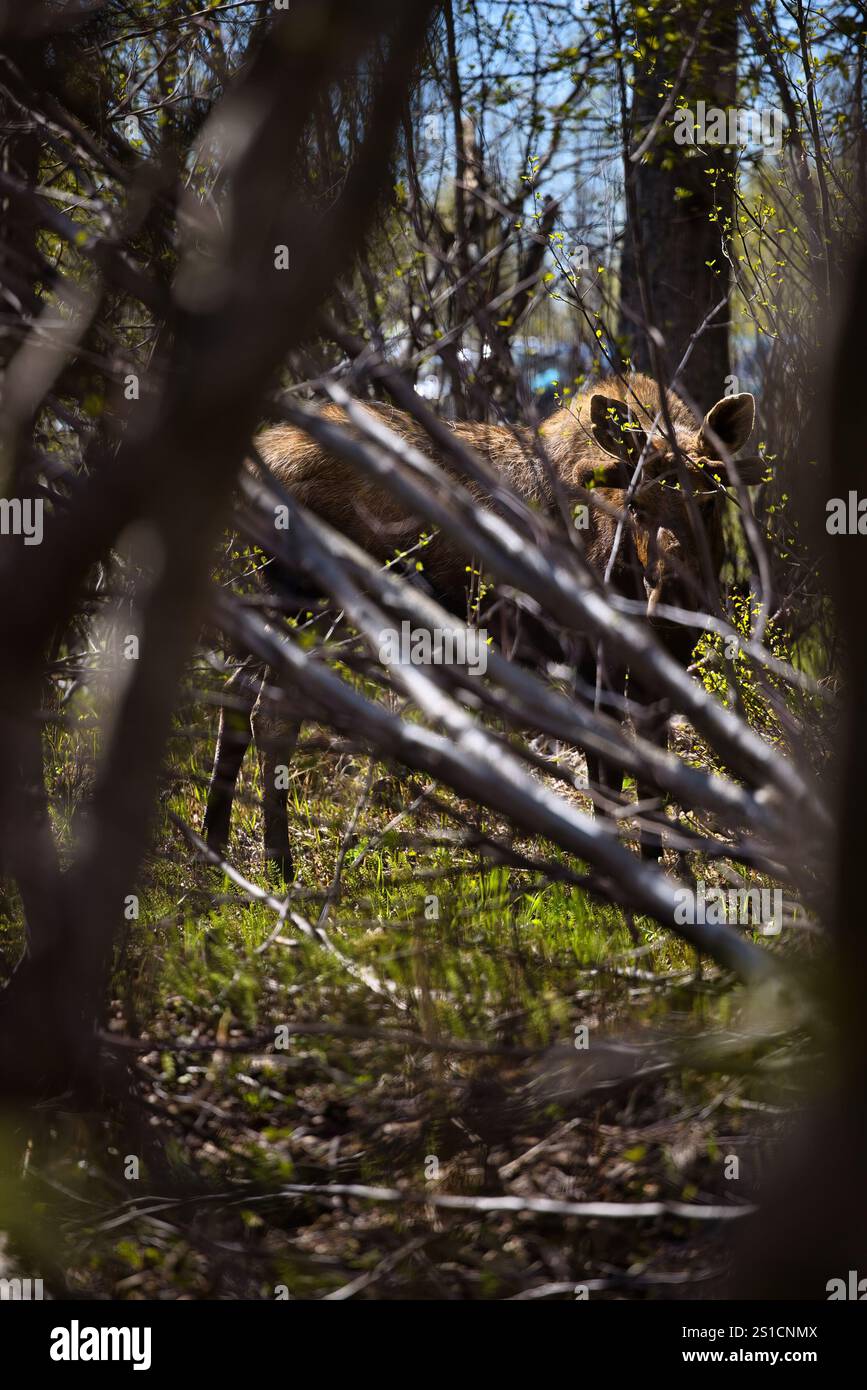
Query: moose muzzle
(663, 563)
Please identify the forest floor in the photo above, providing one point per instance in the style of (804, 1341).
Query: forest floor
(442, 1027)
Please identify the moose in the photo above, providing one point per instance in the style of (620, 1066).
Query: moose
(613, 446)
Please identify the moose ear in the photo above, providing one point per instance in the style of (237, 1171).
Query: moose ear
(614, 429)
(731, 420)
(752, 469)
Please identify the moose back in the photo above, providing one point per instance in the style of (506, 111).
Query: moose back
(594, 447)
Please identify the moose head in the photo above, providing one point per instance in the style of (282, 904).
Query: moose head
(670, 487)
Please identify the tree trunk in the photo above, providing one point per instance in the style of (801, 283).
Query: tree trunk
(682, 200)
(813, 1227)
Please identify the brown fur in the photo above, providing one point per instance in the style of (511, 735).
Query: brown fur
(376, 520)
(593, 447)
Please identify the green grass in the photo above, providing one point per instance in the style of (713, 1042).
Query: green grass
(510, 962)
